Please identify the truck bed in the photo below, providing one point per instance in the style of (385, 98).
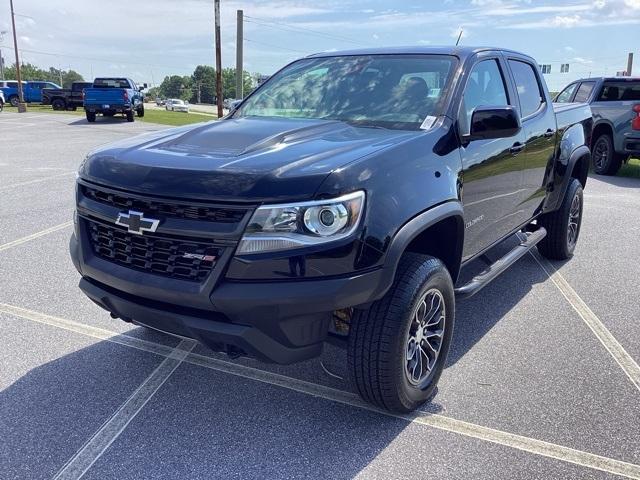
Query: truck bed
(568, 114)
(104, 96)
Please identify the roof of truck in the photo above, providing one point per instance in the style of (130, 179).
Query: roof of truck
(417, 49)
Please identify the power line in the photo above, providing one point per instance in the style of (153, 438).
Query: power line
(289, 27)
(274, 46)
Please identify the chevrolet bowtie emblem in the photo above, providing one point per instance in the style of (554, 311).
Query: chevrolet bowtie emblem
(136, 222)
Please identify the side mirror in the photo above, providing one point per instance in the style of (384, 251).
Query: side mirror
(235, 104)
(494, 122)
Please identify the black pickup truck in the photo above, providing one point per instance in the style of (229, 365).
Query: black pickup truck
(339, 201)
(65, 98)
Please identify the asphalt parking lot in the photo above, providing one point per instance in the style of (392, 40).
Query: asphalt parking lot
(542, 381)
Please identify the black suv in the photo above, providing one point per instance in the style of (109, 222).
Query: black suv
(338, 201)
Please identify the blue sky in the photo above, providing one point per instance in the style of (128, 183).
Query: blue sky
(170, 37)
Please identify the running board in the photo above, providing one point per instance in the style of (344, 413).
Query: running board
(528, 240)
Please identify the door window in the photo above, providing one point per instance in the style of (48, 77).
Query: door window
(566, 95)
(485, 87)
(619, 91)
(584, 92)
(529, 91)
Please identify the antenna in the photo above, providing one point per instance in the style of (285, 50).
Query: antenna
(459, 37)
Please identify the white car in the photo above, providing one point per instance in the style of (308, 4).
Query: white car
(176, 105)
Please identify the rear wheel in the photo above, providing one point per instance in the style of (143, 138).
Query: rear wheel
(14, 100)
(58, 104)
(398, 346)
(605, 159)
(91, 117)
(130, 116)
(563, 225)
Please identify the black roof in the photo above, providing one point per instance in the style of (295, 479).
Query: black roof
(458, 51)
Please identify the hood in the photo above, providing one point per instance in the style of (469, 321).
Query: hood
(237, 160)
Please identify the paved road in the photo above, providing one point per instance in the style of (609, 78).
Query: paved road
(539, 384)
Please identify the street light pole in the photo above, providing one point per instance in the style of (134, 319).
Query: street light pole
(2, 33)
(216, 7)
(15, 46)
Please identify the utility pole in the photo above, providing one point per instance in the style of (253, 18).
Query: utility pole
(216, 8)
(629, 64)
(2, 34)
(21, 106)
(239, 67)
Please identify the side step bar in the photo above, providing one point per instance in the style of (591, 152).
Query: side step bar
(528, 240)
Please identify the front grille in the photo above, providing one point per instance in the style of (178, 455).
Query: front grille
(212, 213)
(160, 255)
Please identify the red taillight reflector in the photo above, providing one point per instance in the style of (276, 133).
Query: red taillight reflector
(635, 123)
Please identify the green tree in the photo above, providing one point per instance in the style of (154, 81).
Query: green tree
(176, 86)
(229, 82)
(204, 83)
(29, 72)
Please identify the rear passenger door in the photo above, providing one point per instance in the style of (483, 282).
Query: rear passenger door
(539, 127)
(492, 168)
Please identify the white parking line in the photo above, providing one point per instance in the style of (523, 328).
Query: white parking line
(78, 465)
(602, 333)
(519, 442)
(33, 236)
(37, 180)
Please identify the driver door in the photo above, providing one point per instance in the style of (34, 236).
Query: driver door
(492, 168)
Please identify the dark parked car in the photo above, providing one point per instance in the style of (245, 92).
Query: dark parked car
(65, 98)
(339, 201)
(615, 103)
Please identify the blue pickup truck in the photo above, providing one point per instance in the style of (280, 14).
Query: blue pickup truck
(110, 96)
(31, 91)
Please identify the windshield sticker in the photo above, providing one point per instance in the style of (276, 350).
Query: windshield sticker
(428, 122)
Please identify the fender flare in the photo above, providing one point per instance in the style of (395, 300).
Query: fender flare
(578, 153)
(408, 232)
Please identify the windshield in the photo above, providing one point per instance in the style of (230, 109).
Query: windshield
(390, 91)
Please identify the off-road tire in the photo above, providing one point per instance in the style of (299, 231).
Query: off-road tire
(557, 245)
(91, 117)
(129, 116)
(1, 105)
(140, 111)
(378, 336)
(58, 104)
(605, 159)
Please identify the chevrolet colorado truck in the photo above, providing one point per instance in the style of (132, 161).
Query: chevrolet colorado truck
(110, 96)
(338, 202)
(66, 98)
(615, 104)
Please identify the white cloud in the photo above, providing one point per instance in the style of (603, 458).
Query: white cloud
(635, 4)
(567, 21)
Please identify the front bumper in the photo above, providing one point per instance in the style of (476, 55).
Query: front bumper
(281, 322)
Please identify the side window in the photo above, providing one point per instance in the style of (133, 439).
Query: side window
(620, 91)
(584, 91)
(485, 87)
(565, 95)
(528, 87)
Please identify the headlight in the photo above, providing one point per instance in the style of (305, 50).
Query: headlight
(283, 227)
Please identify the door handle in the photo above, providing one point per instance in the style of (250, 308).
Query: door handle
(517, 148)
(549, 133)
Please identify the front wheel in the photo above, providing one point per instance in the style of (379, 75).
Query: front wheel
(13, 100)
(398, 346)
(563, 225)
(140, 111)
(1, 105)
